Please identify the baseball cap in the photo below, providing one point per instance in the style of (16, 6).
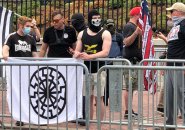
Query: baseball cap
(110, 22)
(135, 11)
(177, 6)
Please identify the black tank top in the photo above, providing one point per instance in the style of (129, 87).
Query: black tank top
(92, 45)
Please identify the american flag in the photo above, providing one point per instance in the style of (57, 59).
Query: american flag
(6, 17)
(147, 47)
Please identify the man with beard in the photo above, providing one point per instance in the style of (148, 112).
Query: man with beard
(115, 51)
(94, 42)
(174, 79)
(133, 52)
(58, 38)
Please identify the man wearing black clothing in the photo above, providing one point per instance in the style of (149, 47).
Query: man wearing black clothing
(94, 42)
(59, 38)
(78, 22)
(20, 44)
(174, 79)
(133, 51)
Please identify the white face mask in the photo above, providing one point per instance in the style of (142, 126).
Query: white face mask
(96, 22)
(170, 23)
(176, 20)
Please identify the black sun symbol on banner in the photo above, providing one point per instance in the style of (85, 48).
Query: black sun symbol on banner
(47, 92)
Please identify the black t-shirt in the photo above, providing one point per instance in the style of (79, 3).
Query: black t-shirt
(92, 45)
(59, 49)
(135, 49)
(20, 46)
(176, 42)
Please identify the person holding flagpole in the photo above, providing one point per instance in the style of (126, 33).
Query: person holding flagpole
(133, 51)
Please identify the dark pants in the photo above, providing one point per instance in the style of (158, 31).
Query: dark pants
(83, 107)
(106, 92)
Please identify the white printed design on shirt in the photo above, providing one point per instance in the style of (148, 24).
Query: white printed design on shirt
(23, 46)
(173, 34)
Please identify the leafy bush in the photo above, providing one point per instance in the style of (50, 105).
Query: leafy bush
(115, 3)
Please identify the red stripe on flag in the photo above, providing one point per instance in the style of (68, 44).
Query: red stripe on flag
(150, 76)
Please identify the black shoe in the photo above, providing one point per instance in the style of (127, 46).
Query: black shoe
(134, 115)
(160, 109)
(82, 123)
(74, 121)
(19, 123)
(163, 128)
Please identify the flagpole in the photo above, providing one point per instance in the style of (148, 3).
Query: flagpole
(17, 14)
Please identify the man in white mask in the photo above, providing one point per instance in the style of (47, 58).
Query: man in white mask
(93, 42)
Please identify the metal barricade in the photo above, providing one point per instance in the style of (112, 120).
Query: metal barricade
(7, 117)
(171, 78)
(51, 81)
(113, 115)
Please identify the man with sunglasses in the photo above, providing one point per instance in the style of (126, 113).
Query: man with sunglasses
(58, 38)
(176, 50)
(93, 42)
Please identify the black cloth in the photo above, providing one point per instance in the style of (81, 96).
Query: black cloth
(92, 45)
(67, 37)
(78, 22)
(90, 25)
(134, 50)
(20, 46)
(176, 43)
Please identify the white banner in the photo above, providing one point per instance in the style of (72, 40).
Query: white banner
(45, 94)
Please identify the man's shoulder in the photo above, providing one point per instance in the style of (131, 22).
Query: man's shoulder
(69, 28)
(11, 35)
(182, 23)
(49, 29)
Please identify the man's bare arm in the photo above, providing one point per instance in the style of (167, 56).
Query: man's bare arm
(129, 40)
(43, 49)
(34, 54)
(5, 52)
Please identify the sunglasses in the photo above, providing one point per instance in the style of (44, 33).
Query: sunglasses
(56, 20)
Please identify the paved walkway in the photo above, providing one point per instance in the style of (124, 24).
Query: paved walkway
(149, 116)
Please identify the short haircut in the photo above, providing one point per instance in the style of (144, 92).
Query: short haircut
(56, 12)
(23, 19)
